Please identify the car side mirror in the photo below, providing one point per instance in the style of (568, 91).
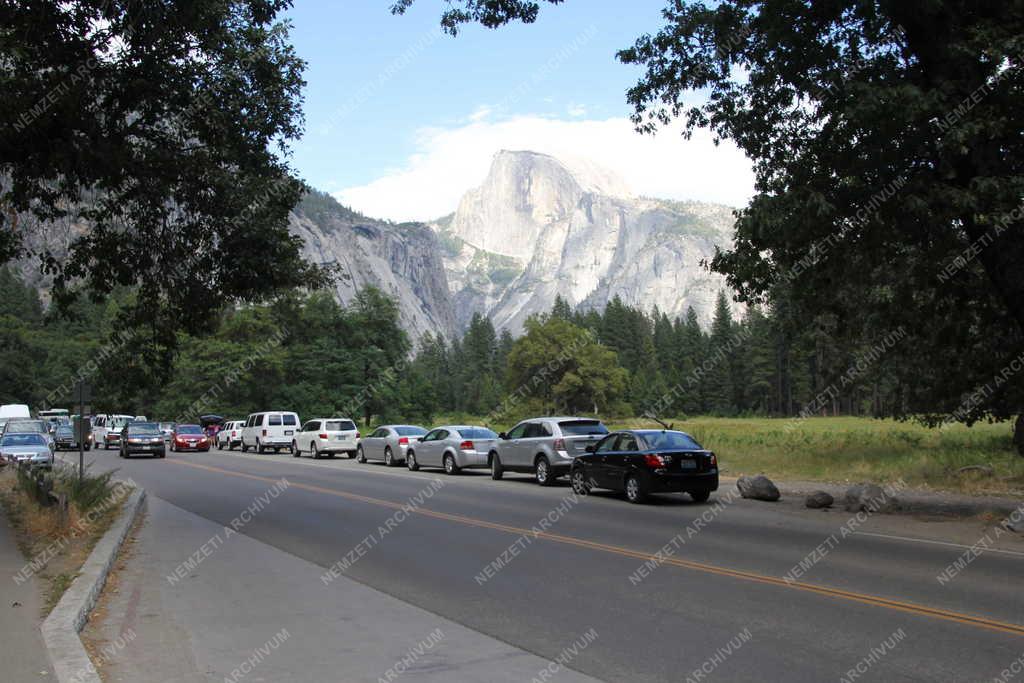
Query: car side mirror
(503, 435)
(589, 449)
(419, 438)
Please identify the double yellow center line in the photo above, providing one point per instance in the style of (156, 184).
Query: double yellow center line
(867, 599)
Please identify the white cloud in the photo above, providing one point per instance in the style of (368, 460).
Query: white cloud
(449, 161)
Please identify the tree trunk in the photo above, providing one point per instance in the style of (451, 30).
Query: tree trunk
(1018, 434)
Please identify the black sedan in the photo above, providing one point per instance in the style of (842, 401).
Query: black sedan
(644, 461)
(143, 437)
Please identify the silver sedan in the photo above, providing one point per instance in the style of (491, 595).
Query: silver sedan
(31, 447)
(388, 443)
(452, 447)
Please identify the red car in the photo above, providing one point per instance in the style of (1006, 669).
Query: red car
(189, 438)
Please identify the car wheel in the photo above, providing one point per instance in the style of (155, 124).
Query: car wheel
(295, 450)
(231, 446)
(634, 491)
(497, 471)
(410, 461)
(162, 455)
(542, 472)
(245, 449)
(450, 466)
(259, 447)
(314, 452)
(700, 496)
(360, 456)
(580, 485)
(389, 457)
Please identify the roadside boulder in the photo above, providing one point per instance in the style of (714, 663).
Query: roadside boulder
(819, 499)
(758, 488)
(868, 498)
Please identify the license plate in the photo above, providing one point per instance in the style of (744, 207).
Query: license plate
(288, 432)
(688, 464)
(339, 437)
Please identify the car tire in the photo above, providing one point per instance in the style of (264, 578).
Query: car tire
(497, 471)
(450, 466)
(580, 485)
(389, 457)
(410, 461)
(245, 449)
(360, 456)
(162, 455)
(259, 447)
(295, 450)
(634, 490)
(700, 496)
(542, 472)
(314, 452)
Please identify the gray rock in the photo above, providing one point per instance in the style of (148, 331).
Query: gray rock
(819, 499)
(758, 488)
(868, 498)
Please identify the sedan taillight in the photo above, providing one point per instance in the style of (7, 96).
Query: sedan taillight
(321, 436)
(466, 446)
(655, 461)
(403, 441)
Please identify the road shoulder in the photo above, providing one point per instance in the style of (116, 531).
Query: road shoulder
(249, 608)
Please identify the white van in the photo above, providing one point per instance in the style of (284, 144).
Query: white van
(13, 411)
(106, 430)
(274, 429)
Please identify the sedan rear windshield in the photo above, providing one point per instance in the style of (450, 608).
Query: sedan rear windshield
(341, 426)
(189, 429)
(23, 440)
(31, 426)
(410, 431)
(477, 433)
(659, 441)
(582, 427)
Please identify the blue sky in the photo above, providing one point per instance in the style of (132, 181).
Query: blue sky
(401, 119)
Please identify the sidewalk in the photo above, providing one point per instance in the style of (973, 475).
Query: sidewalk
(22, 650)
(252, 612)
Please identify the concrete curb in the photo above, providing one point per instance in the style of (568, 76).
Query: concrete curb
(71, 663)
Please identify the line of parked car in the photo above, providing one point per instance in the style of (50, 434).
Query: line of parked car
(635, 462)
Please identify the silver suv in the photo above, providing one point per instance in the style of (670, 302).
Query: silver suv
(544, 446)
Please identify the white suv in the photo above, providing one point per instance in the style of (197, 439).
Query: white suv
(326, 436)
(106, 430)
(275, 430)
(230, 435)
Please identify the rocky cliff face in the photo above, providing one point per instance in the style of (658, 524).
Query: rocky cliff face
(403, 260)
(537, 228)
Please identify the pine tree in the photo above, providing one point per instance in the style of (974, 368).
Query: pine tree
(719, 376)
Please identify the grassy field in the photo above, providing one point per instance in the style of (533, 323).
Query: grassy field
(851, 449)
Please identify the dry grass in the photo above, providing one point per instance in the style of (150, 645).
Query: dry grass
(57, 544)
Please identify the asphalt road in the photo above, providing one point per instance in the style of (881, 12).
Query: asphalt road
(719, 609)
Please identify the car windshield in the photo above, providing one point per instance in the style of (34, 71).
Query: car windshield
(659, 441)
(410, 431)
(27, 426)
(582, 427)
(340, 426)
(143, 429)
(23, 440)
(166, 425)
(65, 431)
(477, 433)
(189, 429)
(120, 422)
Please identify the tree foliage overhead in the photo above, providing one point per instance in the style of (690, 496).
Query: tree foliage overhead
(886, 142)
(160, 128)
(489, 13)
